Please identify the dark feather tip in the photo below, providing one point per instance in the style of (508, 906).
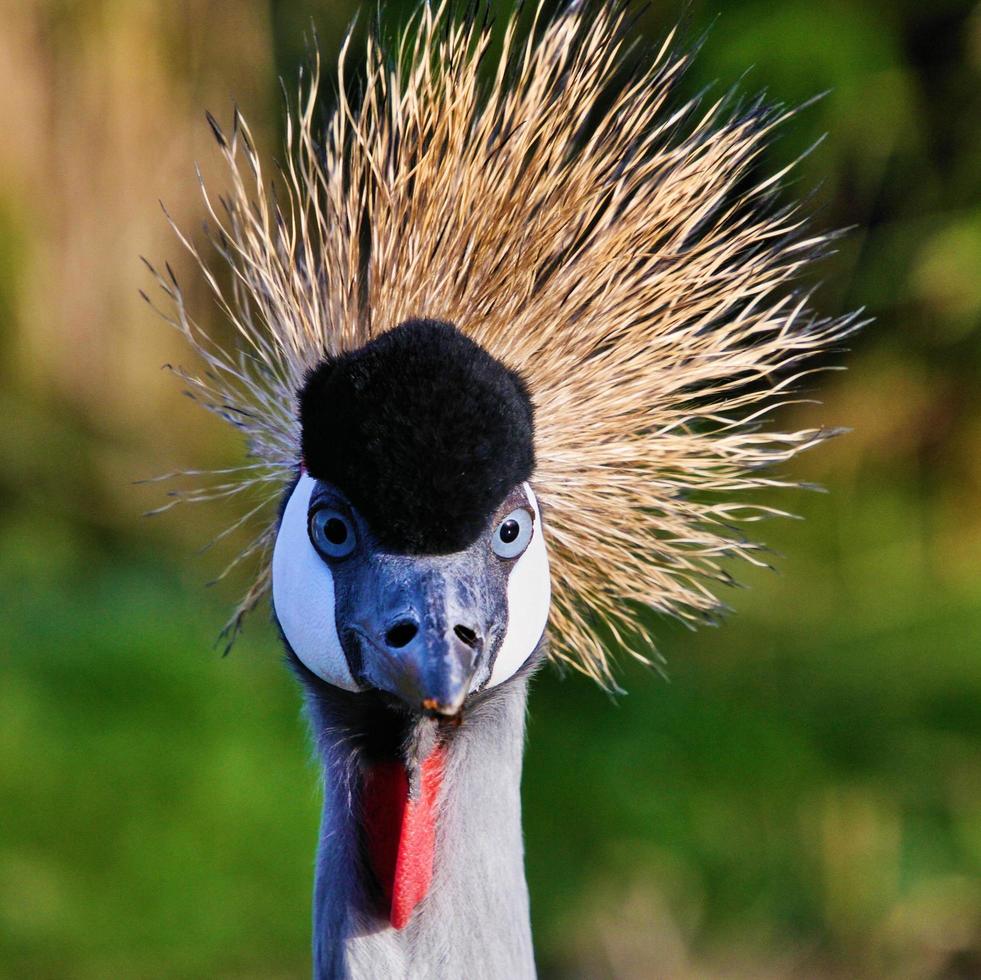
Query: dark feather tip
(216, 130)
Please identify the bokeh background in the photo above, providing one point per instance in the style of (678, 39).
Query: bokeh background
(802, 797)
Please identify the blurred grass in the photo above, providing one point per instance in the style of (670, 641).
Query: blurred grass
(157, 812)
(801, 799)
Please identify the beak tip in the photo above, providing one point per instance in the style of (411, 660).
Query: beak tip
(432, 706)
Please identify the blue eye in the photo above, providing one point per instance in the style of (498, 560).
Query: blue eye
(512, 535)
(332, 533)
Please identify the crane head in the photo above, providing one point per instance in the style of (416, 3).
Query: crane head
(410, 557)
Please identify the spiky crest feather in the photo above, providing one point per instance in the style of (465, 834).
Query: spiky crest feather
(616, 250)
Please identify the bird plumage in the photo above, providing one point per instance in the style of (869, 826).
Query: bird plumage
(475, 920)
(489, 308)
(615, 247)
(375, 424)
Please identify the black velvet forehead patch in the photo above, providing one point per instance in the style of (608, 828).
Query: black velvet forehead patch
(423, 430)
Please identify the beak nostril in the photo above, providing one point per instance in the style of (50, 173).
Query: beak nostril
(467, 636)
(401, 634)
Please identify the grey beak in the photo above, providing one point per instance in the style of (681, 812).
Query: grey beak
(428, 667)
(420, 631)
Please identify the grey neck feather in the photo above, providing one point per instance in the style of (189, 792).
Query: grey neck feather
(475, 920)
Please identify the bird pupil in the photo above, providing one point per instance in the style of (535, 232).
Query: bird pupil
(509, 531)
(335, 531)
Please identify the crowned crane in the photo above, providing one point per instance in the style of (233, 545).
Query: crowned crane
(508, 348)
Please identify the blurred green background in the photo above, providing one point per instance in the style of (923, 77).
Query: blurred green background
(802, 798)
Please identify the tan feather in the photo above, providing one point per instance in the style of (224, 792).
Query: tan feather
(614, 247)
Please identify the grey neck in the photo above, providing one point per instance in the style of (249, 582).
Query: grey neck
(474, 921)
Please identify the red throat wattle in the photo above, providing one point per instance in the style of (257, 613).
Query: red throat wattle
(400, 832)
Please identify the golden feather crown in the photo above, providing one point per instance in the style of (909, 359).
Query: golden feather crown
(615, 248)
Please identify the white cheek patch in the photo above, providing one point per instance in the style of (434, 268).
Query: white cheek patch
(529, 596)
(303, 594)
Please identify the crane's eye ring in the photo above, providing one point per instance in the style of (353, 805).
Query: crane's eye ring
(512, 535)
(332, 533)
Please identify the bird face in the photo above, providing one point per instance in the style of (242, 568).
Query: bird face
(410, 557)
(430, 627)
